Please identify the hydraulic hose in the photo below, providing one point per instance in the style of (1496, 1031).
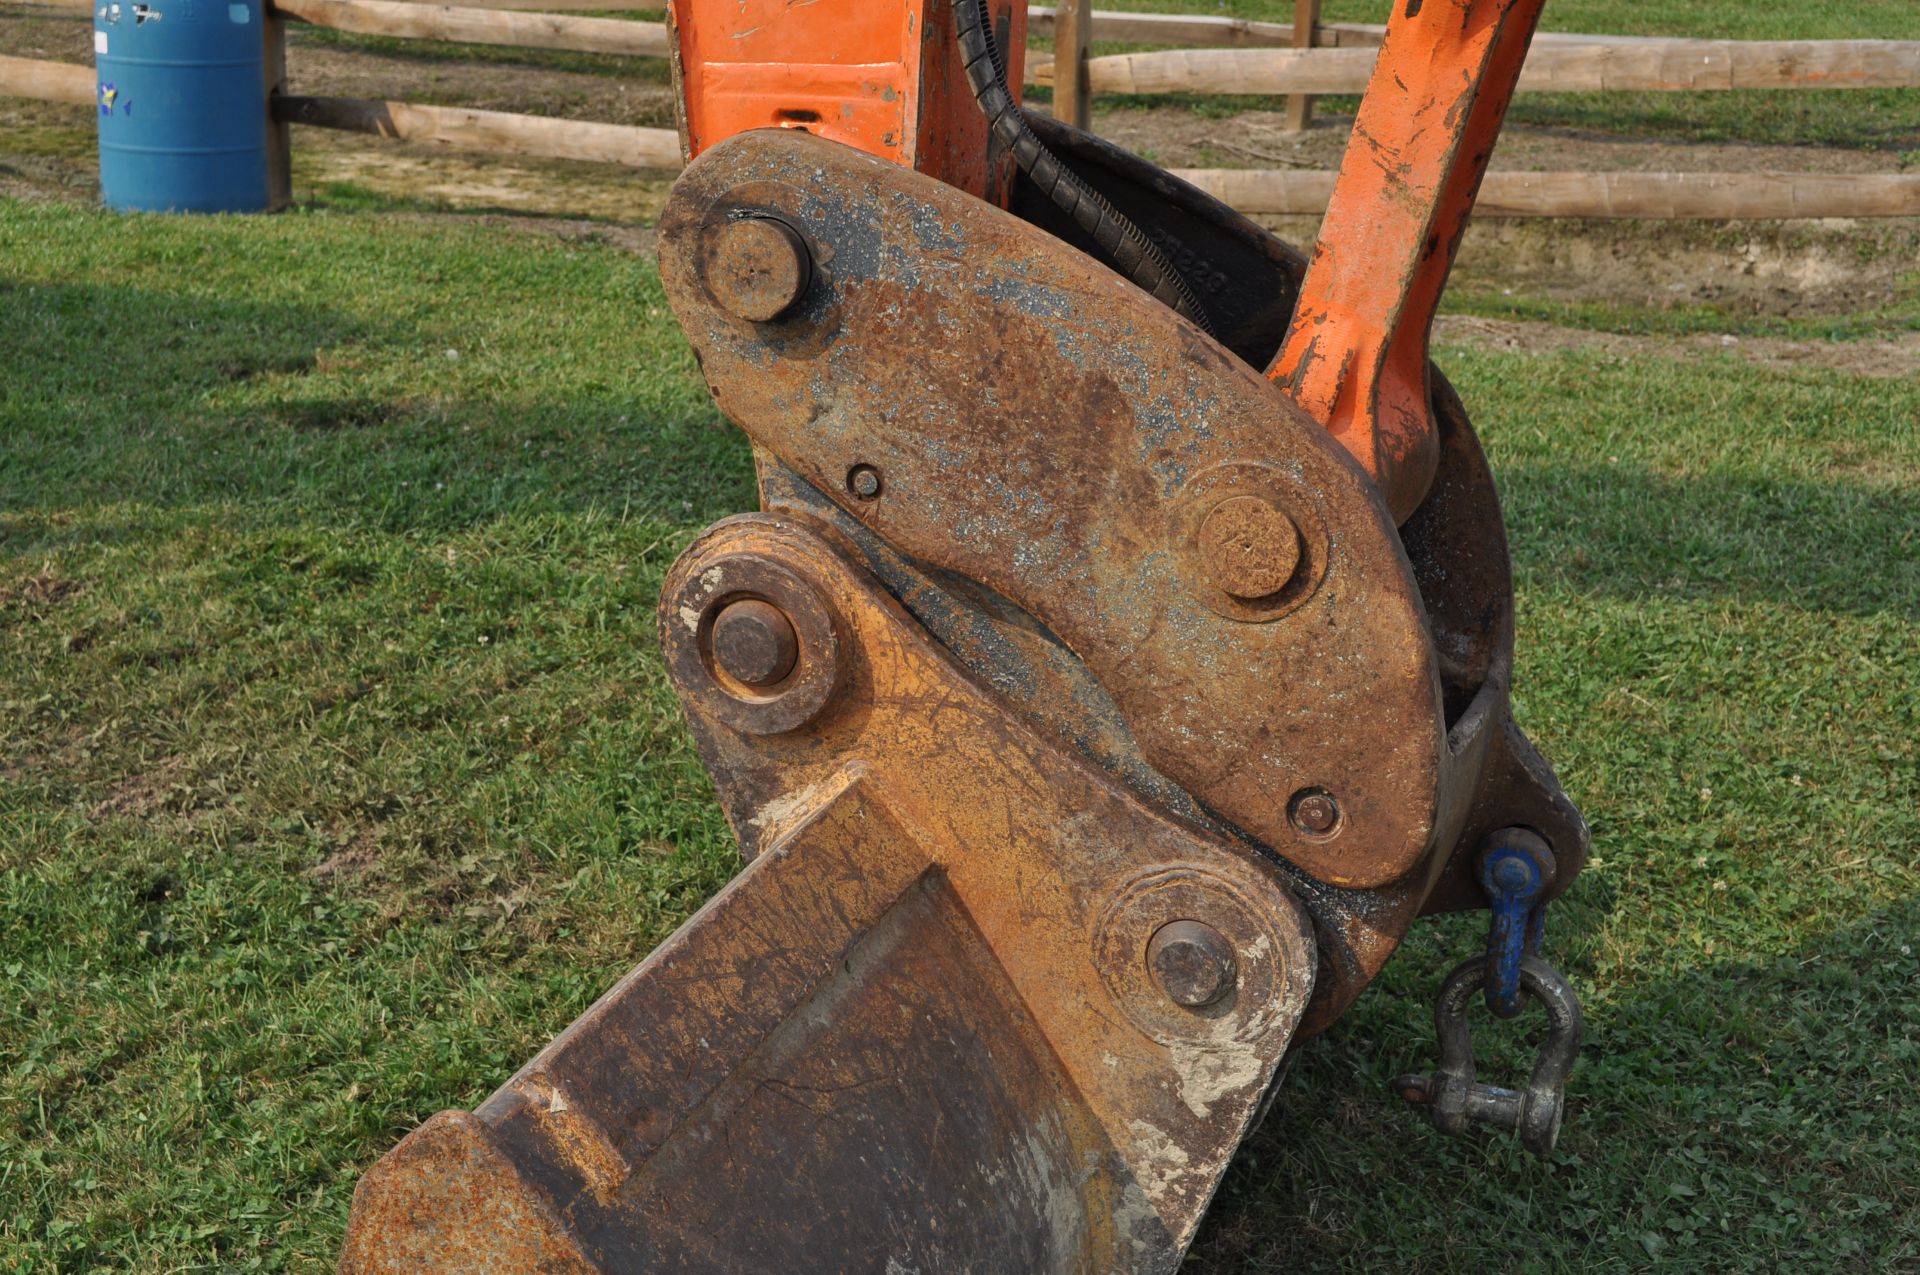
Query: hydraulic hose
(1125, 245)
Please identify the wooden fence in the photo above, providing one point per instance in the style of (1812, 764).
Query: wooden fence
(48, 81)
(472, 24)
(497, 132)
(1242, 57)
(1651, 66)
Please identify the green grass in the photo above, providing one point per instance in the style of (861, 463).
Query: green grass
(1720, 648)
(324, 539)
(338, 770)
(1487, 301)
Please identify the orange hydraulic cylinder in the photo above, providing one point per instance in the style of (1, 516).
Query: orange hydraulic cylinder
(1355, 356)
(884, 76)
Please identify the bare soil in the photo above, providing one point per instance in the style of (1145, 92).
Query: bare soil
(144, 793)
(39, 592)
(1176, 137)
(1897, 356)
(360, 853)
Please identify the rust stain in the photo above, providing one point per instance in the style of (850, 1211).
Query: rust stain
(1019, 466)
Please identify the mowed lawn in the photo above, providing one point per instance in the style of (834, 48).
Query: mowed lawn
(338, 769)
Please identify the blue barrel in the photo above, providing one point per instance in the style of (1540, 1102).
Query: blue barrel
(182, 105)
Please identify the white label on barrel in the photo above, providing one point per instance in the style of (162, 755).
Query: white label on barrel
(99, 41)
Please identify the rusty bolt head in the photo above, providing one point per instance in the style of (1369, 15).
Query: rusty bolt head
(1249, 548)
(757, 267)
(1192, 962)
(754, 643)
(864, 482)
(1314, 812)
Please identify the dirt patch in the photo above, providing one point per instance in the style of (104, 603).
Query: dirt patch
(1896, 357)
(1806, 268)
(1177, 137)
(361, 852)
(51, 762)
(336, 166)
(634, 91)
(1834, 267)
(22, 769)
(142, 795)
(40, 592)
(54, 35)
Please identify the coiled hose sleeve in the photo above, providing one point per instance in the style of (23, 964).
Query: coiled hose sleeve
(1125, 245)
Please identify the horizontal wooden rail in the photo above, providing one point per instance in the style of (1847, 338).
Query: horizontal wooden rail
(1197, 31)
(1365, 35)
(495, 131)
(1679, 65)
(468, 24)
(48, 81)
(1201, 31)
(1645, 196)
(1222, 71)
(1553, 66)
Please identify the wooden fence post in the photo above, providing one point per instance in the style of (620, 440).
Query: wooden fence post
(1306, 26)
(1072, 34)
(273, 29)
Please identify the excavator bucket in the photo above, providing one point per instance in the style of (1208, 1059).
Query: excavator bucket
(1116, 669)
(911, 1035)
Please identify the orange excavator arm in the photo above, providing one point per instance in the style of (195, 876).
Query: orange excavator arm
(1117, 667)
